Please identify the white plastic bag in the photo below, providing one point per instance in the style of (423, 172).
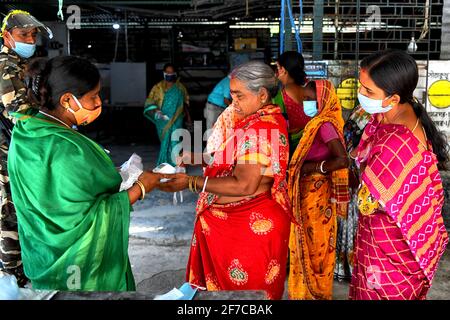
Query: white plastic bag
(9, 290)
(164, 168)
(130, 171)
(175, 200)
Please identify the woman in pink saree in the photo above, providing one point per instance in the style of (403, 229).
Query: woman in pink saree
(401, 235)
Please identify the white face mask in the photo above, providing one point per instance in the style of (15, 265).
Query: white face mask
(373, 106)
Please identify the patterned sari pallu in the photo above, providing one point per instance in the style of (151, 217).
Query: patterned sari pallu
(401, 234)
(244, 245)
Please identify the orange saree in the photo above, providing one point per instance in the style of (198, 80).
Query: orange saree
(316, 201)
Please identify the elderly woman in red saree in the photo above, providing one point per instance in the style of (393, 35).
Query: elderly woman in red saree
(241, 231)
(318, 189)
(401, 235)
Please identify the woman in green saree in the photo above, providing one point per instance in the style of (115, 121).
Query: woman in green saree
(166, 107)
(73, 221)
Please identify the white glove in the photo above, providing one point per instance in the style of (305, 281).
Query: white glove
(160, 115)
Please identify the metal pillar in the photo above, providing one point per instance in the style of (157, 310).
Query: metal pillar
(318, 30)
(288, 36)
(445, 41)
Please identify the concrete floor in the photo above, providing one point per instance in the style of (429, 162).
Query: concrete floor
(160, 233)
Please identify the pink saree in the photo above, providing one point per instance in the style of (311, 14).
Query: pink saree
(400, 242)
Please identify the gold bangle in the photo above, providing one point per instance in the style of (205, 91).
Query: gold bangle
(191, 180)
(141, 185)
(195, 184)
(190, 183)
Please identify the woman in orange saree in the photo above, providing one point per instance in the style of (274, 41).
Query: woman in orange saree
(241, 230)
(318, 190)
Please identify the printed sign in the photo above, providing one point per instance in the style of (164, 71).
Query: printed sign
(438, 98)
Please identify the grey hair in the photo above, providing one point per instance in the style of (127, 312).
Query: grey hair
(257, 75)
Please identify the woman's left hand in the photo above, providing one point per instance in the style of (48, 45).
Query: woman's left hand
(179, 181)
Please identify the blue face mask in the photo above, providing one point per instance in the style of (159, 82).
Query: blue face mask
(170, 77)
(310, 108)
(186, 292)
(25, 50)
(373, 106)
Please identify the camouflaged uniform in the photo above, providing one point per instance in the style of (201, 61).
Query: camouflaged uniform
(13, 93)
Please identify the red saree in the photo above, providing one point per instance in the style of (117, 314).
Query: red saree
(401, 235)
(244, 245)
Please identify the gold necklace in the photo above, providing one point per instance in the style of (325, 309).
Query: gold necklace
(54, 118)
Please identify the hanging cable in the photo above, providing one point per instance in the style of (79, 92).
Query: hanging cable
(300, 4)
(282, 15)
(60, 11)
(300, 20)
(117, 45)
(292, 20)
(296, 28)
(425, 28)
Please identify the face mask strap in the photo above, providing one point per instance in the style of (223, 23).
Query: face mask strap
(388, 97)
(77, 102)
(196, 286)
(9, 38)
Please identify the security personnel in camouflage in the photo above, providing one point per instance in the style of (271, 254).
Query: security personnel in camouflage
(19, 31)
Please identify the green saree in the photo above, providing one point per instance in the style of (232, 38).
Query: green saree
(73, 221)
(169, 102)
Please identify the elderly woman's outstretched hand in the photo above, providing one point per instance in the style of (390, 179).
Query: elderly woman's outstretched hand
(177, 182)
